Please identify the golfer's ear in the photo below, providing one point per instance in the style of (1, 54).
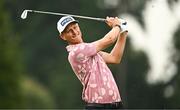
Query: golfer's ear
(62, 36)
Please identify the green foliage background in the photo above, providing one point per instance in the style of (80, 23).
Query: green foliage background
(34, 70)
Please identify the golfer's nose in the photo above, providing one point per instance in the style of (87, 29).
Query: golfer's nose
(74, 31)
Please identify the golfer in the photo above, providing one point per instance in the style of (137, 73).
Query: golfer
(89, 61)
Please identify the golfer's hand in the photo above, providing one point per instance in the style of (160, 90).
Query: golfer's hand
(112, 21)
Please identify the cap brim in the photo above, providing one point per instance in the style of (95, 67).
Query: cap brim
(68, 24)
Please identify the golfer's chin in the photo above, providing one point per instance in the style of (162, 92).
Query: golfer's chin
(76, 40)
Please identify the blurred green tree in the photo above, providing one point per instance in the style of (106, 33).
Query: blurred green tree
(10, 63)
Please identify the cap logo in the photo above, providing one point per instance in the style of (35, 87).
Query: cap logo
(66, 21)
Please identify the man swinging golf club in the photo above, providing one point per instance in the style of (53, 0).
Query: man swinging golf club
(89, 61)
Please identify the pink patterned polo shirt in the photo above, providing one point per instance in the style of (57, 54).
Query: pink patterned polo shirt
(98, 83)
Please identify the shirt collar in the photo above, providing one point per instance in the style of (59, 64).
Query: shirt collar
(71, 47)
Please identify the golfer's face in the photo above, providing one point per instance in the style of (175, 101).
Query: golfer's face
(72, 34)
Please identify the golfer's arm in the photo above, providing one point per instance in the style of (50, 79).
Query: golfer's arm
(108, 39)
(117, 52)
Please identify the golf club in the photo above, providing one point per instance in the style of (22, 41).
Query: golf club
(25, 12)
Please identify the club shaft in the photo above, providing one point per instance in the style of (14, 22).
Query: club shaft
(63, 14)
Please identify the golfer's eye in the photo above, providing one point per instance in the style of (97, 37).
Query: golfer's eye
(67, 31)
(74, 27)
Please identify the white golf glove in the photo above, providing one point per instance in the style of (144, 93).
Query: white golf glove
(123, 26)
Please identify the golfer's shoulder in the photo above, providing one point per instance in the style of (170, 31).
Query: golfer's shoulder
(84, 46)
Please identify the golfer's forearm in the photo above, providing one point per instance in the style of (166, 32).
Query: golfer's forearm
(112, 36)
(108, 39)
(118, 50)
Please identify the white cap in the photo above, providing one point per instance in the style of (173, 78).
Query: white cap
(63, 22)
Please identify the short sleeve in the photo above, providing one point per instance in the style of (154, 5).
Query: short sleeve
(84, 51)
